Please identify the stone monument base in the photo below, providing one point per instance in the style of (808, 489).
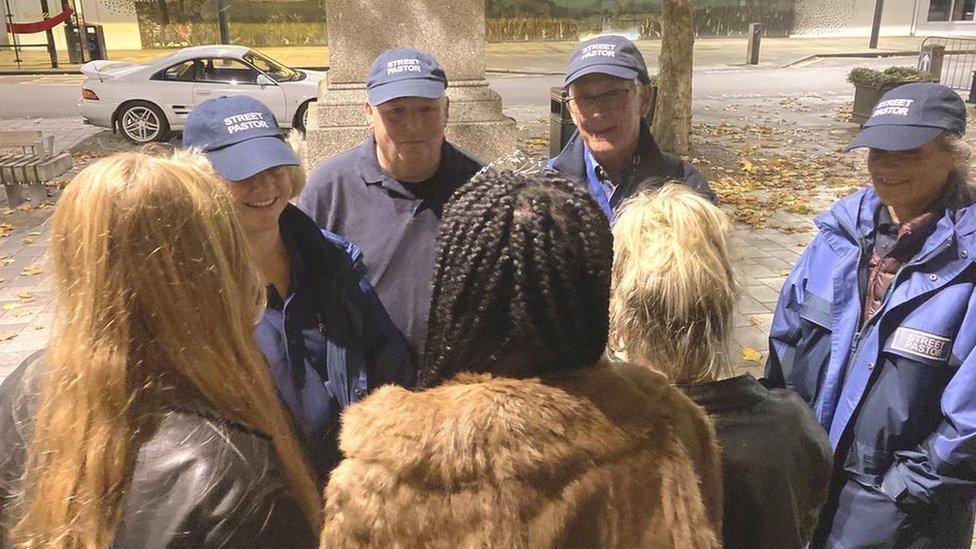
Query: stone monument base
(476, 122)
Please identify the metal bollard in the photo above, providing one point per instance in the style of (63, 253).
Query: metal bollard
(755, 38)
(972, 90)
(930, 60)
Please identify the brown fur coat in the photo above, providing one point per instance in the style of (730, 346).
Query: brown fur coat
(608, 456)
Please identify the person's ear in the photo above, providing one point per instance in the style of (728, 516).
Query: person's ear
(368, 109)
(644, 93)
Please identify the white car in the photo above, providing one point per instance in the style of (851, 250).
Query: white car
(146, 102)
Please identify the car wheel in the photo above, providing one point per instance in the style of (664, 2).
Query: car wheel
(142, 122)
(301, 117)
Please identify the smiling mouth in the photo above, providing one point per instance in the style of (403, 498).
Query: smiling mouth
(603, 132)
(262, 203)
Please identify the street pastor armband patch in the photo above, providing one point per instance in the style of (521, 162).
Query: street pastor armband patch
(921, 344)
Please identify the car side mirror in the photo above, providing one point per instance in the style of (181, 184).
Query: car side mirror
(263, 81)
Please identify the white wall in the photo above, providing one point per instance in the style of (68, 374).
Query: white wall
(852, 17)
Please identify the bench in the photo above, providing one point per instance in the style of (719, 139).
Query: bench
(27, 159)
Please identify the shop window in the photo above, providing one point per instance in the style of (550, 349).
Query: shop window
(952, 10)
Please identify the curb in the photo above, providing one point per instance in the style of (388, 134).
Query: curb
(853, 55)
(45, 72)
(521, 72)
(37, 72)
(525, 72)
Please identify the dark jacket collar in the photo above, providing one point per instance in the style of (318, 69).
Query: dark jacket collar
(727, 394)
(651, 162)
(327, 265)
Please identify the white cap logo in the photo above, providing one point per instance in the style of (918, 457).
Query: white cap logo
(246, 121)
(403, 65)
(896, 107)
(599, 50)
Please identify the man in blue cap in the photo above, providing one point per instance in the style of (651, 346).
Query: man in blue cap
(876, 330)
(388, 193)
(613, 150)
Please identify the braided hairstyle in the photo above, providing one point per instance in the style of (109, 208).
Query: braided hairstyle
(523, 266)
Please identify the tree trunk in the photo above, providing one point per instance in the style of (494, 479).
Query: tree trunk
(672, 116)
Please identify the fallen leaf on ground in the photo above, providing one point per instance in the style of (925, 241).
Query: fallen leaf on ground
(34, 233)
(755, 320)
(784, 272)
(31, 271)
(7, 336)
(26, 297)
(11, 306)
(28, 241)
(750, 354)
(24, 207)
(22, 312)
(8, 211)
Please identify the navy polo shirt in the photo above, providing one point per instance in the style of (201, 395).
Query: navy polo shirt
(351, 195)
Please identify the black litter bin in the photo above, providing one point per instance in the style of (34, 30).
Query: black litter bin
(73, 41)
(95, 42)
(561, 125)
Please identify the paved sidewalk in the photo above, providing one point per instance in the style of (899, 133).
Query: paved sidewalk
(26, 299)
(546, 57)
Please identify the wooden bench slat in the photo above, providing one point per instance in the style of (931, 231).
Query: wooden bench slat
(27, 158)
(24, 138)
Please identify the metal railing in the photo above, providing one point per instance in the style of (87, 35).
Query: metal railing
(959, 61)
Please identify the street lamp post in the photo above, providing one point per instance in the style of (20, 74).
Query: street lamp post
(876, 24)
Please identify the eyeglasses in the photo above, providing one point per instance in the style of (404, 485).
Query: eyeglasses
(604, 101)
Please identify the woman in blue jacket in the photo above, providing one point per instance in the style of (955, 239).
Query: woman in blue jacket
(876, 329)
(324, 333)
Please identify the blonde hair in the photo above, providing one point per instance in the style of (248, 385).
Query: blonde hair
(673, 289)
(156, 298)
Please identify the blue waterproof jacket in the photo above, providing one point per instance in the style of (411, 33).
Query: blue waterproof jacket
(324, 361)
(897, 395)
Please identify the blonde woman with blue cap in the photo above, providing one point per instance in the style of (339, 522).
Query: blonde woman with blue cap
(324, 333)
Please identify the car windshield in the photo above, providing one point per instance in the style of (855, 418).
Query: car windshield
(274, 69)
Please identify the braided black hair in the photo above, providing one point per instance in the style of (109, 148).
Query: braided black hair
(523, 265)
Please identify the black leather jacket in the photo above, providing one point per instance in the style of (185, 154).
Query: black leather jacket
(197, 481)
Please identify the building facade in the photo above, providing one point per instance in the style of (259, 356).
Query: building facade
(899, 18)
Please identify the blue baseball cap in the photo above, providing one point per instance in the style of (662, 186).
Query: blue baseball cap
(610, 54)
(404, 72)
(910, 116)
(239, 135)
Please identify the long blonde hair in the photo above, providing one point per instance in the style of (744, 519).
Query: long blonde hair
(156, 301)
(673, 289)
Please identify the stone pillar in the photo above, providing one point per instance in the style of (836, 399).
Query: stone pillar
(453, 31)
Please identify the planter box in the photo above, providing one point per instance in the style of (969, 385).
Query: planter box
(866, 97)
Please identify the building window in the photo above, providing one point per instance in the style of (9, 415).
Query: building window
(952, 10)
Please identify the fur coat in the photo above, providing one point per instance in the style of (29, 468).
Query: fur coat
(607, 456)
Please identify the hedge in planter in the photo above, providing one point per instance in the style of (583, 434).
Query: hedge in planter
(870, 85)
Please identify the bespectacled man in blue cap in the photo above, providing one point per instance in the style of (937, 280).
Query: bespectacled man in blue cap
(387, 194)
(876, 330)
(613, 150)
